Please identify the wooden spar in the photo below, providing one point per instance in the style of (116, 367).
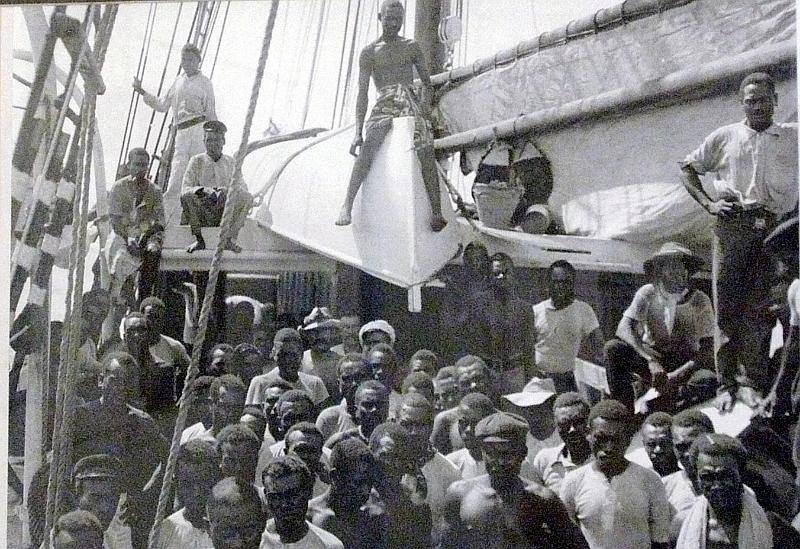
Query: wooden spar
(427, 15)
(707, 80)
(69, 30)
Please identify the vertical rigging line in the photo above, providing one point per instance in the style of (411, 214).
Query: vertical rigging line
(341, 62)
(219, 42)
(350, 62)
(324, 5)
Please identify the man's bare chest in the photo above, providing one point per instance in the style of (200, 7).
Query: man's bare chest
(392, 55)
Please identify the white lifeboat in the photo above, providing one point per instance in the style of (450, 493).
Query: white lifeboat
(304, 185)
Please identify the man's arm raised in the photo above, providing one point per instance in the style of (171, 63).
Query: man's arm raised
(365, 62)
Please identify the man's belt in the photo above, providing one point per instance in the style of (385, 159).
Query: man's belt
(191, 122)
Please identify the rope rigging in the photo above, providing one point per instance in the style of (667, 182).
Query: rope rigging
(208, 300)
(323, 17)
(219, 42)
(341, 62)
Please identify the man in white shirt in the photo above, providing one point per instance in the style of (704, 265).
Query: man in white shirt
(226, 396)
(755, 164)
(551, 465)
(287, 352)
(191, 100)
(319, 359)
(665, 334)
(617, 503)
(563, 323)
(288, 485)
(208, 186)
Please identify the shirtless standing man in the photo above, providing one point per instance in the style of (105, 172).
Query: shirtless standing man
(390, 61)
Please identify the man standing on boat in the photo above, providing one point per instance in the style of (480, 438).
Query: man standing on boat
(755, 163)
(191, 98)
(390, 61)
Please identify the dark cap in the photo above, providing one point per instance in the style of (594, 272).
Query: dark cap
(215, 126)
(97, 466)
(502, 427)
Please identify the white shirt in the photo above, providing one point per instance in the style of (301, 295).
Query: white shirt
(315, 538)
(334, 419)
(560, 333)
(467, 465)
(752, 167)
(629, 511)
(188, 97)
(439, 474)
(197, 431)
(203, 171)
(551, 465)
(305, 382)
(179, 533)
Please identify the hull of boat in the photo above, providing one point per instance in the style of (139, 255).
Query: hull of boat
(389, 237)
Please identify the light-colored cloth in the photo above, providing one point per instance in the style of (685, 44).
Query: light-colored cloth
(305, 382)
(204, 171)
(439, 474)
(377, 325)
(467, 465)
(335, 419)
(316, 538)
(197, 431)
(751, 167)
(551, 465)
(179, 533)
(629, 511)
(693, 319)
(681, 498)
(793, 297)
(754, 529)
(324, 366)
(168, 352)
(559, 333)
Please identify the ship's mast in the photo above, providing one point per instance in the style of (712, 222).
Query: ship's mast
(427, 15)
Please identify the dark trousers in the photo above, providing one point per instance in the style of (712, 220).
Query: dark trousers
(625, 367)
(148, 275)
(740, 287)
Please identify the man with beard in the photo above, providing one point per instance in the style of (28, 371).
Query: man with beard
(345, 510)
(319, 359)
(235, 516)
(469, 460)
(372, 408)
(112, 426)
(617, 503)
(656, 434)
(563, 324)
(687, 426)
(725, 514)
(501, 329)
(197, 472)
(551, 465)
(409, 516)
(287, 352)
(665, 334)
(501, 509)
(390, 61)
(340, 417)
(755, 164)
(433, 473)
(472, 376)
(226, 395)
(288, 485)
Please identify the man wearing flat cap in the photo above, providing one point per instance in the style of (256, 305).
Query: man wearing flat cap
(191, 99)
(666, 333)
(98, 490)
(207, 186)
(500, 508)
(319, 359)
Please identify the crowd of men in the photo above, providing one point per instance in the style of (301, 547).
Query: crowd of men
(321, 436)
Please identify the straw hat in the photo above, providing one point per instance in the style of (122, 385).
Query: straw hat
(673, 250)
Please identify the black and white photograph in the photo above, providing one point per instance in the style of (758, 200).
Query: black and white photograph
(400, 274)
